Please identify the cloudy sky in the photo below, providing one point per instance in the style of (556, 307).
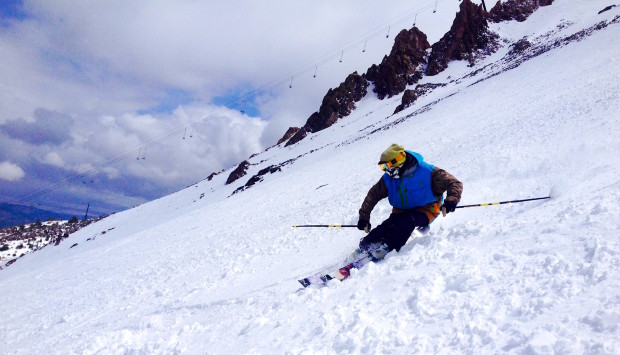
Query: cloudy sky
(89, 88)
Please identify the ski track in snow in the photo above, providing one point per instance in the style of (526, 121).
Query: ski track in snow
(219, 275)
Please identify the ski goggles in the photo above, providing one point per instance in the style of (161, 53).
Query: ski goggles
(391, 165)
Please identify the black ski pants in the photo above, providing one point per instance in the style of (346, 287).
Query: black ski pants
(394, 231)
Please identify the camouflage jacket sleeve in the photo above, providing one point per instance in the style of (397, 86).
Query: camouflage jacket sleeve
(376, 193)
(442, 181)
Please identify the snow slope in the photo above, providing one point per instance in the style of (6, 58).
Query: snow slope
(218, 274)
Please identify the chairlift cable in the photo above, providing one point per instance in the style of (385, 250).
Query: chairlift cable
(231, 104)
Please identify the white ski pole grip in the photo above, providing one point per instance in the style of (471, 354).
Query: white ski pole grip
(443, 211)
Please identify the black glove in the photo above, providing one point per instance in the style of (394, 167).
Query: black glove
(363, 225)
(448, 206)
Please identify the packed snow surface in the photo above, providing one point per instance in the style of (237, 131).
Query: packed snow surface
(204, 271)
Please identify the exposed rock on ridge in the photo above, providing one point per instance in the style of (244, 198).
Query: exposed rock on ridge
(239, 172)
(518, 10)
(400, 68)
(391, 77)
(410, 96)
(468, 35)
(289, 133)
(337, 103)
(258, 177)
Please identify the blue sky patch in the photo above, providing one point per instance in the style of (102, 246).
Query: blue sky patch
(173, 99)
(11, 10)
(235, 100)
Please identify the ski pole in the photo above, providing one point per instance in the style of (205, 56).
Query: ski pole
(443, 210)
(325, 225)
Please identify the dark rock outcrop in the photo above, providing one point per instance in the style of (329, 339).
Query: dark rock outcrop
(239, 172)
(410, 96)
(258, 177)
(301, 134)
(289, 133)
(518, 10)
(607, 9)
(519, 47)
(336, 104)
(214, 174)
(400, 68)
(468, 35)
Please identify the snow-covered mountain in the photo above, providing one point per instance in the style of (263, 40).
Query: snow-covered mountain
(208, 271)
(21, 240)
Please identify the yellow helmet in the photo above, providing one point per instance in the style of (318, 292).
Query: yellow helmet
(393, 157)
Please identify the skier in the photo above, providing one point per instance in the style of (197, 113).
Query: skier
(415, 191)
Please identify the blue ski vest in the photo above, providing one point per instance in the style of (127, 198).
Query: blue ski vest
(411, 191)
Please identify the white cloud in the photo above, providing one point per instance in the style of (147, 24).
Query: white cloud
(10, 171)
(54, 159)
(216, 138)
(113, 57)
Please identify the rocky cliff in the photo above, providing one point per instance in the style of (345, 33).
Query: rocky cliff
(337, 103)
(468, 36)
(402, 66)
(518, 10)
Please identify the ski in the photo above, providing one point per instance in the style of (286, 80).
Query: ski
(360, 258)
(356, 260)
(316, 278)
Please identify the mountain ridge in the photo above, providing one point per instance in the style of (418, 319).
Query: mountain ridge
(14, 215)
(408, 63)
